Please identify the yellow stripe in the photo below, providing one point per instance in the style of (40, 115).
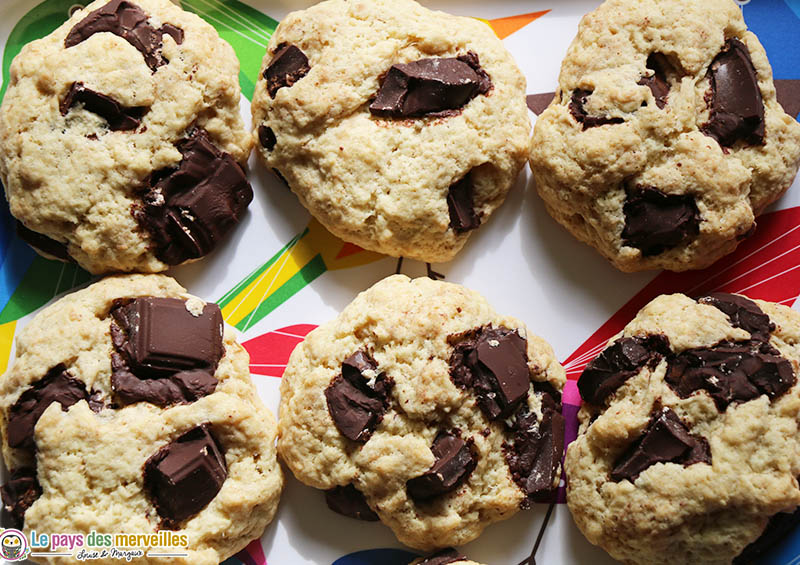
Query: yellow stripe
(6, 341)
(329, 247)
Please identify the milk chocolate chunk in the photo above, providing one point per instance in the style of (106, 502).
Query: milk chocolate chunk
(349, 501)
(454, 463)
(778, 527)
(358, 398)
(666, 439)
(657, 82)
(43, 243)
(56, 386)
(737, 109)
(494, 363)
(617, 363)
(185, 475)
(119, 117)
(534, 455)
(128, 21)
(430, 87)
(443, 557)
(743, 313)
(188, 209)
(460, 205)
(576, 108)
(266, 137)
(19, 494)
(731, 372)
(288, 65)
(655, 222)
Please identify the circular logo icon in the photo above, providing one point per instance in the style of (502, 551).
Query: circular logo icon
(13, 545)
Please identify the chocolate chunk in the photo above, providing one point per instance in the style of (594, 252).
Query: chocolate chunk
(430, 87)
(182, 387)
(189, 208)
(358, 398)
(731, 372)
(459, 202)
(494, 363)
(19, 494)
(267, 137)
(185, 475)
(443, 557)
(535, 453)
(454, 463)
(578, 112)
(349, 501)
(128, 21)
(657, 83)
(666, 439)
(655, 222)
(288, 65)
(737, 110)
(778, 527)
(617, 363)
(119, 117)
(56, 386)
(743, 313)
(44, 243)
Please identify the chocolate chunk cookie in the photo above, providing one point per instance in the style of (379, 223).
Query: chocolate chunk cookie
(129, 408)
(421, 407)
(400, 129)
(688, 445)
(121, 143)
(664, 140)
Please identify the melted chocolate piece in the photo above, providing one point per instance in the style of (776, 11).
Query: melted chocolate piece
(443, 557)
(494, 363)
(459, 203)
(267, 137)
(189, 208)
(777, 528)
(737, 110)
(19, 494)
(743, 313)
(731, 372)
(182, 387)
(655, 222)
(617, 363)
(357, 401)
(657, 83)
(119, 117)
(56, 386)
(454, 463)
(128, 21)
(666, 439)
(185, 475)
(576, 104)
(288, 65)
(43, 243)
(349, 501)
(436, 87)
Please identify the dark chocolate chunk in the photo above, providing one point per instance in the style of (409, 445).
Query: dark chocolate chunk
(778, 527)
(56, 386)
(430, 87)
(459, 202)
(454, 463)
(267, 137)
(731, 372)
(443, 557)
(189, 208)
(494, 363)
(119, 117)
(666, 439)
(737, 110)
(657, 83)
(578, 112)
(357, 402)
(349, 501)
(128, 21)
(743, 313)
(19, 494)
(655, 222)
(182, 387)
(535, 452)
(288, 65)
(185, 475)
(44, 243)
(617, 363)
